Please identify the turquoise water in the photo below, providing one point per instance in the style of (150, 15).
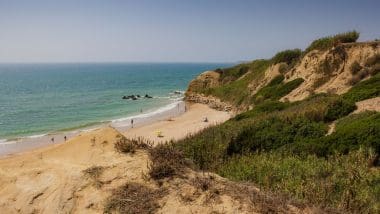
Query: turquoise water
(44, 98)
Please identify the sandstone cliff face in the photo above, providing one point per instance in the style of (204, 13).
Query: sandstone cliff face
(331, 71)
(334, 70)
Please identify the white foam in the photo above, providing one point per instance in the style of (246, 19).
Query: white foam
(6, 142)
(161, 113)
(37, 136)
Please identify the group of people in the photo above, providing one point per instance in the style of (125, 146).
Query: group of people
(64, 138)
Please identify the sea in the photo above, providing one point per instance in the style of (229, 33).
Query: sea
(46, 98)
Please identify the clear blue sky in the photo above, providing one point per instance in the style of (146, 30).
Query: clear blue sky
(173, 30)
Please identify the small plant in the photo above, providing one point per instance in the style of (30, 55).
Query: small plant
(330, 41)
(203, 183)
(134, 198)
(287, 56)
(364, 90)
(166, 161)
(124, 145)
(355, 67)
(94, 173)
(283, 68)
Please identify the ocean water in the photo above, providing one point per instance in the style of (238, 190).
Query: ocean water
(37, 99)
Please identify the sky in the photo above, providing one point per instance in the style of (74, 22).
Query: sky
(173, 30)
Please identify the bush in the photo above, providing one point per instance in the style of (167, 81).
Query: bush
(351, 36)
(275, 89)
(94, 174)
(236, 92)
(338, 108)
(355, 67)
(273, 133)
(124, 145)
(287, 56)
(265, 107)
(341, 181)
(355, 131)
(133, 198)
(166, 161)
(320, 44)
(329, 41)
(276, 80)
(364, 90)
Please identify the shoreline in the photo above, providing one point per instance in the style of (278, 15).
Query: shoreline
(33, 142)
(172, 123)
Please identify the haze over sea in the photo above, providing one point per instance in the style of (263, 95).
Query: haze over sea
(44, 98)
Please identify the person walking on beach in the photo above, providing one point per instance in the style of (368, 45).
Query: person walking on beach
(52, 139)
(65, 138)
(132, 123)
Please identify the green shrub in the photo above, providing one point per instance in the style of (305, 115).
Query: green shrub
(236, 92)
(329, 41)
(338, 108)
(276, 89)
(364, 90)
(351, 36)
(353, 132)
(265, 107)
(273, 133)
(233, 73)
(276, 80)
(341, 181)
(320, 44)
(287, 56)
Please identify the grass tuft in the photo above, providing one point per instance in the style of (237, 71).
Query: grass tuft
(134, 198)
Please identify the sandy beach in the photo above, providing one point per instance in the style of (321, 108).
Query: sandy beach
(179, 127)
(51, 179)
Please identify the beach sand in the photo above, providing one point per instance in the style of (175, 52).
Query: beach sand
(51, 179)
(181, 126)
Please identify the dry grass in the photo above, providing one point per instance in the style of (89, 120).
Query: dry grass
(134, 198)
(94, 174)
(166, 162)
(124, 145)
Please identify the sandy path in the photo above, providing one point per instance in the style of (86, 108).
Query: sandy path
(181, 126)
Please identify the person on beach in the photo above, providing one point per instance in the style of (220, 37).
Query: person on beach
(132, 123)
(52, 139)
(65, 138)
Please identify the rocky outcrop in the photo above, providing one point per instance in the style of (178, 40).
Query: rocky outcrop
(207, 79)
(212, 102)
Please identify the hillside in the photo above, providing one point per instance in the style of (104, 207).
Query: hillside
(307, 124)
(290, 75)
